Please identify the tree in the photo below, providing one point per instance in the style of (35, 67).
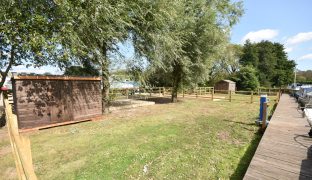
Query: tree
(28, 35)
(304, 76)
(270, 61)
(190, 39)
(93, 30)
(246, 79)
(226, 64)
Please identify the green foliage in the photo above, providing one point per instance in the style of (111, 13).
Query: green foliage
(270, 61)
(28, 34)
(86, 69)
(246, 79)
(304, 76)
(190, 37)
(226, 64)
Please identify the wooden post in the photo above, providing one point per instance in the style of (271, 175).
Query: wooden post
(251, 97)
(212, 93)
(200, 90)
(164, 91)
(159, 89)
(127, 93)
(264, 115)
(230, 96)
(183, 92)
(279, 94)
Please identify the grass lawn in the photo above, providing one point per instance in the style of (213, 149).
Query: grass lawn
(7, 163)
(191, 139)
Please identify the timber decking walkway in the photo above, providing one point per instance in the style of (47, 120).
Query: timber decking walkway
(285, 150)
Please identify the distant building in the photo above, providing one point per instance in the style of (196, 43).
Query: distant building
(225, 85)
(124, 84)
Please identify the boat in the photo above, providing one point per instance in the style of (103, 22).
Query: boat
(303, 95)
(308, 115)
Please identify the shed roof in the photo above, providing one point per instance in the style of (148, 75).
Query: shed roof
(229, 81)
(66, 78)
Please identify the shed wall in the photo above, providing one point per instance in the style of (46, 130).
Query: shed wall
(225, 86)
(42, 102)
(222, 85)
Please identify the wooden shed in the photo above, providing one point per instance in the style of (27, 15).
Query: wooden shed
(41, 101)
(225, 85)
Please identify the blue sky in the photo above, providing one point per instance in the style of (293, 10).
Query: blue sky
(285, 21)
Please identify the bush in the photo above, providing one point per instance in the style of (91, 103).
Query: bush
(246, 79)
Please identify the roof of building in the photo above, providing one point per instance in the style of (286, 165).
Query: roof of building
(229, 81)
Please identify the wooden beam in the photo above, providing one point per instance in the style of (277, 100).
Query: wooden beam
(63, 78)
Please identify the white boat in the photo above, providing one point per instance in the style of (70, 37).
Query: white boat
(308, 115)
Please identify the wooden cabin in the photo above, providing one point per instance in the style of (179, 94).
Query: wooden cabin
(225, 85)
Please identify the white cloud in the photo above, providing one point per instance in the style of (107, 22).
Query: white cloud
(263, 34)
(307, 56)
(289, 49)
(300, 38)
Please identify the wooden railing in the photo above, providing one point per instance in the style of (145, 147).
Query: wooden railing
(20, 145)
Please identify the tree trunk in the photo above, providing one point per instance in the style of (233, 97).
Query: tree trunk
(177, 79)
(105, 80)
(5, 73)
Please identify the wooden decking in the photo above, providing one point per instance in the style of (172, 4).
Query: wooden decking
(285, 150)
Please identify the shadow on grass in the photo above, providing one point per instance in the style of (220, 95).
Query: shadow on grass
(160, 100)
(238, 122)
(246, 159)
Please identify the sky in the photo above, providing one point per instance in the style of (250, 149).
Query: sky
(285, 21)
(288, 22)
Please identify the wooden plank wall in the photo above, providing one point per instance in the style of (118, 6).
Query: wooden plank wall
(41, 102)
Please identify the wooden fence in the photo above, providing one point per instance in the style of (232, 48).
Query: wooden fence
(198, 92)
(20, 146)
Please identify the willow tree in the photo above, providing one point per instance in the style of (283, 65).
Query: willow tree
(93, 30)
(28, 35)
(191, 34)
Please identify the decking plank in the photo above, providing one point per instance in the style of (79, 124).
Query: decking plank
(285, 150)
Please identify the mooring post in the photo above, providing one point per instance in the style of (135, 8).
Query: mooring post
(264, 115)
